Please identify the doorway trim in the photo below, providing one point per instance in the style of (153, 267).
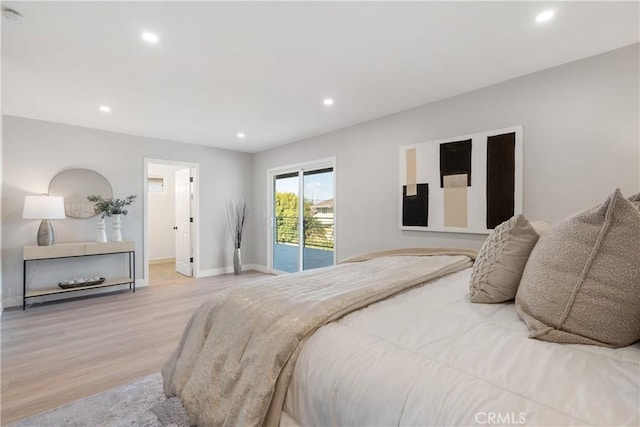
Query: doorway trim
(328, 162)
(195, 210)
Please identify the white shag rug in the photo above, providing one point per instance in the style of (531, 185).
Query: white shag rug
(140, 403)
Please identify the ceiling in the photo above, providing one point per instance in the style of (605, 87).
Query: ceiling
(264, 68)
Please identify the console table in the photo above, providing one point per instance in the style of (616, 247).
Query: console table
(73, 250)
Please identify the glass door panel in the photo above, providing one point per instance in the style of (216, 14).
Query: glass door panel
(318, 218)
(303, 220)
(286, 241)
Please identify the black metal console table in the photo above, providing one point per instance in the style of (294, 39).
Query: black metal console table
(74, 250)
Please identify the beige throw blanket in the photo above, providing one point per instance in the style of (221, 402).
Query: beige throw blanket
(236, 356)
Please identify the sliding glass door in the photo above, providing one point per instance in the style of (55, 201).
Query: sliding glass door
(303, 219)
(286, 231)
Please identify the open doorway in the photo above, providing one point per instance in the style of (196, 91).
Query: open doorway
(170, 221)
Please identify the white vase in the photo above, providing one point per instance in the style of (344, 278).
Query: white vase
(116, 224)
(102, 231)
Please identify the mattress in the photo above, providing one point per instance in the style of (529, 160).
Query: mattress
(431, 357)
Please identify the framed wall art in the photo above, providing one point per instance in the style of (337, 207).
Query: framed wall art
(465, 184)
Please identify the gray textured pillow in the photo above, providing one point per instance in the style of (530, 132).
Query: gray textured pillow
(581, 284)
(501, 260)
(635, 199)
(541, 227)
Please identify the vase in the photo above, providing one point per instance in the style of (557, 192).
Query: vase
(116, 224)
(102, 231)
(237, 261)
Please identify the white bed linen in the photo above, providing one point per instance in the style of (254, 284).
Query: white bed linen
(431, 357)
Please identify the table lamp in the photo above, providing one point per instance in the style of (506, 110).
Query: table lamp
(44, 208)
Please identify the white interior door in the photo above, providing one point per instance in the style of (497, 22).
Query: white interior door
(183, 222)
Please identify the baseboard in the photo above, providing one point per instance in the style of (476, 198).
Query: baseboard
(17, 300)
(213, 272)
(256, 267)
(162, 261)
(11, 302)
(229, 269)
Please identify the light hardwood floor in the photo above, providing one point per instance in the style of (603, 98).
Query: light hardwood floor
(55, 353)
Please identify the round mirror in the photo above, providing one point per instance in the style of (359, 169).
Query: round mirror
(75, 185)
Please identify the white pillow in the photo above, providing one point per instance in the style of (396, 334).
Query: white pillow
(501, 260)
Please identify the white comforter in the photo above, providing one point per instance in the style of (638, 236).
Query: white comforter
(430, 357)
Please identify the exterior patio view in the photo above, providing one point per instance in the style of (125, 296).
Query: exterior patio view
(318, 234)
(286, 258)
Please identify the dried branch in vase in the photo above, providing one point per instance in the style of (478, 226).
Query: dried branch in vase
(237, 215)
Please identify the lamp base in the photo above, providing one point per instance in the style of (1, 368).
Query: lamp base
(45, 233)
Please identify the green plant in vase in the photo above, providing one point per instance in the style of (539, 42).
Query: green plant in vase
(112, 208)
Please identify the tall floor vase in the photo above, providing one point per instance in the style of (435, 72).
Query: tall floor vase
(116, 224)
(237, 261)
(102, 231)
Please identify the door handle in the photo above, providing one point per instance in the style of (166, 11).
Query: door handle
(175, 228)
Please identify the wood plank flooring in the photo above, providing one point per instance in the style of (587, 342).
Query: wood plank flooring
(58, 352)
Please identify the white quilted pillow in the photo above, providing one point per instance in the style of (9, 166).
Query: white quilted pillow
(501, 260)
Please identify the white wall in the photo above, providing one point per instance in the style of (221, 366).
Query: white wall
(1, 174)
(162, 213)
(580, 143)
(35, 151)
(581, 140)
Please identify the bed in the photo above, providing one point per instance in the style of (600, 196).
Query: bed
(428, 337)
(431, 357)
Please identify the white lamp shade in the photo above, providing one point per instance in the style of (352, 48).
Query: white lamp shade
(43, 207)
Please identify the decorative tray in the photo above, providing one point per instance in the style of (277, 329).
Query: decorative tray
(81, 284)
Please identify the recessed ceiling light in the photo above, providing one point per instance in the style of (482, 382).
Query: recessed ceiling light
(12, 16)
(105, 109)
(150, 37)
(327, 101)
(545, 16)
(241, 135)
